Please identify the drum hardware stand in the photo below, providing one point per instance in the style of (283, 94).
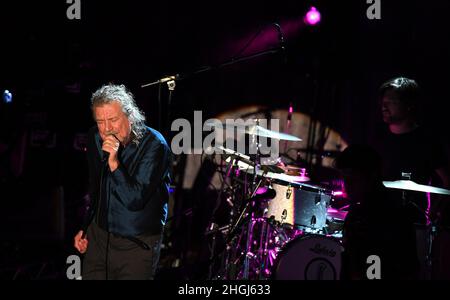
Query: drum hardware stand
(213, 230)
(431, 230)
(431, 236)
(225, 230)
(255, 185)
(250, 255)
(230, 230)
(249, 203)
(248, 247)
(264, 249)
(245, 211)
(430, 225)
(255, 141)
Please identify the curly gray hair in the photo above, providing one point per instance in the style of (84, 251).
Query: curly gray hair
(119, 93)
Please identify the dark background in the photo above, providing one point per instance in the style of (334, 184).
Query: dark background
(52, 65)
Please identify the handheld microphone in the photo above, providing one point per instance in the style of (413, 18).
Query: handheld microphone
(105, 156)
(168, 78)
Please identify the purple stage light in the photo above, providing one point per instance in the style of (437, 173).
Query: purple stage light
(312, 16)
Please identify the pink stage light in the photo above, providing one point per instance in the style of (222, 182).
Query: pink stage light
(338, 193)
(312, 16)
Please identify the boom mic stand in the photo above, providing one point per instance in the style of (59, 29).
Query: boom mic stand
(171, 80)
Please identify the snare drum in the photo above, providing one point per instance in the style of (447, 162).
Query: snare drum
(313, 257)
(299, 206)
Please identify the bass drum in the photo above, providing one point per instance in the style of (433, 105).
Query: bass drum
(313, 257)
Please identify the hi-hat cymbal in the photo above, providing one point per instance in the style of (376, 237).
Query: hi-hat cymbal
(233, 152)
(298, 174)
(288, 178)
(261, 131)
(247, 165)
(270, 171)
(409, 185)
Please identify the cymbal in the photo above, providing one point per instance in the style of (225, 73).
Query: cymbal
(233, 152)
(297, 174)
(247, 165)
(258, 130)
(288, 178)
(412, 186)
(269, 172)
(261, 131)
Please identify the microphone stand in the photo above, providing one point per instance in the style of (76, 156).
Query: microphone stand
(171, 80)
(213, 227)
(171, 84)
(233, 61)
(159, 108)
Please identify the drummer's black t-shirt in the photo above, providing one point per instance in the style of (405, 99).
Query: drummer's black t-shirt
(377, 227)
(419, 152)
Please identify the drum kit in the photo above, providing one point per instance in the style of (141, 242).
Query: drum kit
(281, 226)
(278, 228)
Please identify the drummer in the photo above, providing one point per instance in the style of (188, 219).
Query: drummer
(373, 226)
(407, 146)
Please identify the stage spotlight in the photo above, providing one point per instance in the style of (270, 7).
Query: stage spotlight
(7, 96)
(312, 17)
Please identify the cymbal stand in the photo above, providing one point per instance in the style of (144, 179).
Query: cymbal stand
(255, 142)
(248, 253)
(246, 211)
(431, 231)
(264, 251)
(431, 228)
(214, 228)
(234, 238)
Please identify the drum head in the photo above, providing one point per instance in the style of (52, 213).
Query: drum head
(312, 257)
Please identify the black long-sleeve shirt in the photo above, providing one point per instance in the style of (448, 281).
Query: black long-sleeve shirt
(133, 200)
